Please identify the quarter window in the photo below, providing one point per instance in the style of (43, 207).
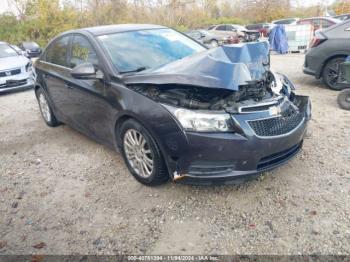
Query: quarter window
(82, 52)
(57, 51)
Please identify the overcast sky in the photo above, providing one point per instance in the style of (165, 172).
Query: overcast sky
(4, 7)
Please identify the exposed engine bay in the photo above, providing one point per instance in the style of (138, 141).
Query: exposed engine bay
(199, 98)
(229, 78)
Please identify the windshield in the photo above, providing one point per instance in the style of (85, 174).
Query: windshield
(7, 51)
(145, 49)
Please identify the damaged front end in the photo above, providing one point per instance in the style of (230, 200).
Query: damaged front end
(232, 90)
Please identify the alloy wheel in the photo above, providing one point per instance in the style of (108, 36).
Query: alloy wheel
(138, 153)
(44, 108)
(332, 72)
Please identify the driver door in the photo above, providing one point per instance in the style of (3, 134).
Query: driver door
(90, 110)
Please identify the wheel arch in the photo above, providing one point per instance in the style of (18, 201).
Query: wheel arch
(320, 73)
(121, 118)
(36, 87)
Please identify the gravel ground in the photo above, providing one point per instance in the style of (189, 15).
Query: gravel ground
(62, 193)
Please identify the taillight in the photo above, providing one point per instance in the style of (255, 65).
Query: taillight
(318, 39)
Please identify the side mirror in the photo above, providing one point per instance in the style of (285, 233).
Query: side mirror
(86, 71)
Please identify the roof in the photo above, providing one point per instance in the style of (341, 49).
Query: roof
(110, 29)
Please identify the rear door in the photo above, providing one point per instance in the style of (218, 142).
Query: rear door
(55, 73)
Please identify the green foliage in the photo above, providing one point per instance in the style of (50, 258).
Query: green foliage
(181, 28)
(41, 20)
(224, 20)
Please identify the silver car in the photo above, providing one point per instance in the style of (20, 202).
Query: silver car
(16, 71)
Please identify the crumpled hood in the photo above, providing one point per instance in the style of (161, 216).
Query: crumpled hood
(13, 62)
(225, 67)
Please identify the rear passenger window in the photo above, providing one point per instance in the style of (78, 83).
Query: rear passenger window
(82, 52)
(57, 51)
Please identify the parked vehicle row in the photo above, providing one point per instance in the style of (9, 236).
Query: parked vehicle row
(216, 35)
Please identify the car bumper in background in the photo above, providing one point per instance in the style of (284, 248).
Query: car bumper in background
(309, 71)
(16, 85)
(313, 64)
(226, 158)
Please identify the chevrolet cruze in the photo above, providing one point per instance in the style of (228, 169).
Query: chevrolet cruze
(172, 107)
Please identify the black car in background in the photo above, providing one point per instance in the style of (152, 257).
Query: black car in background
(174, 108)
(328, 49)
(32, 49)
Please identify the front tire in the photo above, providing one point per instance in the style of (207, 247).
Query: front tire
(330, 73)
(344, 99)
(142, 155)
(214, 43)
(45, 109)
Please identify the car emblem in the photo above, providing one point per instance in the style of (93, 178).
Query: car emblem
(8, 73)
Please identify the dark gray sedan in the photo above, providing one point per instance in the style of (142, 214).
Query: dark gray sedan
(172, 107)
(328, 50)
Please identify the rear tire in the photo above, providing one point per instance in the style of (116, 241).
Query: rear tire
(331, 72)
(142, 154)
(45, 108)
(344, 99)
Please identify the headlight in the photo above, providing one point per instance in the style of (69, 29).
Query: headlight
(29, 66)
(202, 121)
(282, 83)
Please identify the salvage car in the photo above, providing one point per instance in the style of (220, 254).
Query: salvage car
(227, 31)
(32, 49)
(328, 49)
(16, 72)
(248, 35)
(173, 108)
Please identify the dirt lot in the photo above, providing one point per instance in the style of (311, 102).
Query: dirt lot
(62, 193)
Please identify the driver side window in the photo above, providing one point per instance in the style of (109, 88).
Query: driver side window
(82, 52)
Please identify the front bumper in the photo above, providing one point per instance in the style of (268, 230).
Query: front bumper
(226, 158)
(313, 63)
(17, 85)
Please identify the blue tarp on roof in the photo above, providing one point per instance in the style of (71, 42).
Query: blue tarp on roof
(278, 39)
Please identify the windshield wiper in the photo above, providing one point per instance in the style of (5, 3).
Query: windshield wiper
(139, 69)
